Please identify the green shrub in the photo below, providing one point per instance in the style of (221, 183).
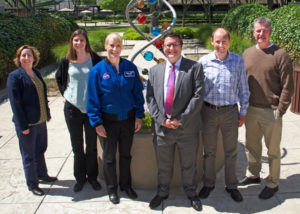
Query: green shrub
(237, 44)
(240, 19)
(96, 39)
(286, 29)
(185, 32)
(147, 121)
(204, 32)
(145, 28)
(131, 34)
(42, 31)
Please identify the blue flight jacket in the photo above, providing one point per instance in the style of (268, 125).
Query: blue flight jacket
(112, 93)
(24, 99)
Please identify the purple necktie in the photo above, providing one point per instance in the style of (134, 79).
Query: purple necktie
(170, 91)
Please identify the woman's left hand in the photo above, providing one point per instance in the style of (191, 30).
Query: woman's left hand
(138, 125)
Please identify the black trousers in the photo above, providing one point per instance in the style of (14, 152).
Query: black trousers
(85, 159)
(119, 134)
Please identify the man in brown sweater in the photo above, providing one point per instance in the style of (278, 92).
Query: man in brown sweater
(270, 78)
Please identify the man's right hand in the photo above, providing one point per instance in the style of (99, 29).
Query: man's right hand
(101, 131)
(171, 123)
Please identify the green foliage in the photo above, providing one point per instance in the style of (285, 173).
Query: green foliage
(131, 34)
(42, 31)
(204, 32)
(286, 29)
(145, 28)
(96, 39)
(238, 44)
(185, 32)
(114, 5)
(240, 19)
(285, 25)
(147, 121)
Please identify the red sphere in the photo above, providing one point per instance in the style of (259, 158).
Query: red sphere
(141, 18)
(159, 44)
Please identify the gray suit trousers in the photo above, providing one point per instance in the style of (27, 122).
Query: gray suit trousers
(227, 121)
(187, 146)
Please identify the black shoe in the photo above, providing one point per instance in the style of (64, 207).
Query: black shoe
(156, 201)
(48, 179)
(196, 203)
(114, 198)
(249, 180)
(267, 192)
(95, 184)
(130, 192)
(36, 191)
(205, 191)
(78, 187)
(235, 194)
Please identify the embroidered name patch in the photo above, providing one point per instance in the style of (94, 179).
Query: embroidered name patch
(106, 76)
(129, 74)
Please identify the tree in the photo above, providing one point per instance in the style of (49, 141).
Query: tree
(185, 6)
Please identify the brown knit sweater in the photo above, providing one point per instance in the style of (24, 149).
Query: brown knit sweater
(270, 77)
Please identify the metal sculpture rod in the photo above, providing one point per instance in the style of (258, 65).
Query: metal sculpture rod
(130, 5)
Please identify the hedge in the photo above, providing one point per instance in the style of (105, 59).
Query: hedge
(285, 25)
(42, 31)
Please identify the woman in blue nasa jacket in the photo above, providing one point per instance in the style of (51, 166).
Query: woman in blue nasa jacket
(27, 94)
(115, 106)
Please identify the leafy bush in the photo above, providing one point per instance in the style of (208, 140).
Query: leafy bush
(131, 34)
(96, 39)
(185, 32)
(42, 31)
(237, 44)
(144, 28)
(240, 19)
(286, 29)
(147, 121)
(204, 32)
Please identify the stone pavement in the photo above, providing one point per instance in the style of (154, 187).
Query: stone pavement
(60, 198)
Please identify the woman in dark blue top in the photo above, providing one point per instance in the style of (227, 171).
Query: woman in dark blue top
(115, 108)
(27, 94)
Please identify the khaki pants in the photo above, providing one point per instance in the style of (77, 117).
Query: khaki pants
(261, 122)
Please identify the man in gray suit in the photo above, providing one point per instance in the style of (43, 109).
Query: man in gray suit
(174, 96)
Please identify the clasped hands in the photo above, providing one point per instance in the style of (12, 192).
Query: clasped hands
(171, 123)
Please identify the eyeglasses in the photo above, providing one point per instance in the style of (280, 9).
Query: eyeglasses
(175, 45)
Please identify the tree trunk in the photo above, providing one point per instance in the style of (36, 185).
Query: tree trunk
(270, 4)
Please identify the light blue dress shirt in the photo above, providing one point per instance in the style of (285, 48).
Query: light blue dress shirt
(225, 81)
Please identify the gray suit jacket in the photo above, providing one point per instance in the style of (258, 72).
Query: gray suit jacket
(188, 98)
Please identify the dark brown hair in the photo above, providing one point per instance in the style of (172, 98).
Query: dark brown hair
(71, 55)
(35, 53)
(174, 35)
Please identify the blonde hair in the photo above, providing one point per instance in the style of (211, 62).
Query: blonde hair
(114, 36)
(35, 53)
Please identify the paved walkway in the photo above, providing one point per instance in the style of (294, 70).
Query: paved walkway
(60, 198)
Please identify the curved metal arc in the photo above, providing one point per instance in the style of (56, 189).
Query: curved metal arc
(129, 6)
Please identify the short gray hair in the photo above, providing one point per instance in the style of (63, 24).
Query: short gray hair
(263, 21)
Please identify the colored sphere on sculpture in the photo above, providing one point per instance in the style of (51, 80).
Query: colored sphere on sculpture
(165, 25)
(152, 1)
(141, 18)
(148, 55)
(155, 31)
(159, 44)
(141, 4)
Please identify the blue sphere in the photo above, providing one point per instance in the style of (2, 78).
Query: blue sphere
(152, 1)
(148, 55)
(155, 31)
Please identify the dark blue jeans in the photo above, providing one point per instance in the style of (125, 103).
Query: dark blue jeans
(32, 148)
(85, 160)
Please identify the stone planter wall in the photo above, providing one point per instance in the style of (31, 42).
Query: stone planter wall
(143, 165)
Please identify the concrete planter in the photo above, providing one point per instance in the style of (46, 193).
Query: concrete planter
(143, 165)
